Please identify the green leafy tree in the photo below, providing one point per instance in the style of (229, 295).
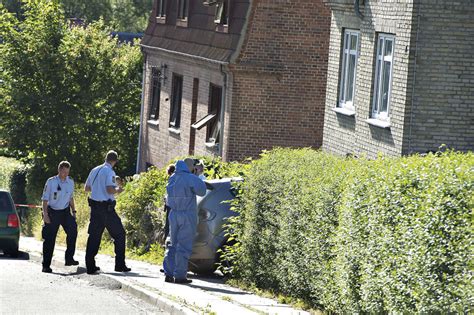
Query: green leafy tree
(68, 92)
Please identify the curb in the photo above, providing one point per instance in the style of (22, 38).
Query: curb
(139, 292)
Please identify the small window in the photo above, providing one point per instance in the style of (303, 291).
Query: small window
(183, 9)
(161, 8)
(155, 94)
(214, 126)
(176, 97)
(212, 119)
(383, 76)
(350, 54)
(222, 13)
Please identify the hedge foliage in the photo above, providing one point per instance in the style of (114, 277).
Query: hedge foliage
(142, 202)
(357, 236)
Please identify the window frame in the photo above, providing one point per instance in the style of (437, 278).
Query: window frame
(380, 60)
(176, 101)
(214, 108)
(183, 10)
(154, 101)
(343, 102)
(161, 7)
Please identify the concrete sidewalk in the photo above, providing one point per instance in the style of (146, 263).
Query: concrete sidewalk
(203, 296)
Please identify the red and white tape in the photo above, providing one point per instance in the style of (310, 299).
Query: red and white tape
(27, 206)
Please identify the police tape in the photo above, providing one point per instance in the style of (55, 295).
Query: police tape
(27, 206)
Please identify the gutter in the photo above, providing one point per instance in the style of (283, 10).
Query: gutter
(185, 55)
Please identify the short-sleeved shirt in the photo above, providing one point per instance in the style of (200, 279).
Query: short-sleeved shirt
(99, 178)
(58, 193)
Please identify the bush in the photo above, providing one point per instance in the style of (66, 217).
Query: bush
(352, 236)
(142, 201)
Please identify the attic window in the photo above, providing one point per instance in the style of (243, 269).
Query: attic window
(222, 13)
(183, 6)
(161, 9)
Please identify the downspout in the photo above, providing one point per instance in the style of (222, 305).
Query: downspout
(412, 110)
(222, 113)
(357, 9)
(141, 115)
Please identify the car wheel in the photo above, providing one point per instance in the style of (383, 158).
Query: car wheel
(12, 252)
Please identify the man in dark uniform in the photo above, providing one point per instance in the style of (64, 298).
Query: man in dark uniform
(102, 184)
(59, 209)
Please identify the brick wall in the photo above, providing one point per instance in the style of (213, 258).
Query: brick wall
(444, 80)
(352, 134)
(443, 111)
(159, 144)
(279, 79)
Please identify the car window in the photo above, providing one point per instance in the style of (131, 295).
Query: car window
(5, 202)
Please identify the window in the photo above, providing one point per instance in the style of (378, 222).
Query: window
(222, 12)
(155, 94)
(350, 53)
(161, 9)
(212, 119)
(183, 9)
(383, 76)
(176, 96)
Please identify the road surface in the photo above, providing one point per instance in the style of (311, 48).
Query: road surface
(24, 289)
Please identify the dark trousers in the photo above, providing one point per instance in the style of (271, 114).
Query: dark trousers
(50, 230)
(167, 221)
(104, 217)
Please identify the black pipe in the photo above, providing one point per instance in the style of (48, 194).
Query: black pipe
(357, 9)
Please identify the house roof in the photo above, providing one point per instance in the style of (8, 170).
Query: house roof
(199, 37)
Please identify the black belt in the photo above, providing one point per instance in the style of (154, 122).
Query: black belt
(67, 208)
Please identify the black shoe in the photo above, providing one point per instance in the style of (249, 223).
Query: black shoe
(169, 279)
(47, 270)
(122, 268)
(71, 263)
(93, 270)
(162, 270)
(183, 281)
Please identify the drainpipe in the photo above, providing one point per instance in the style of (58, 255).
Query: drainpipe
(141, 115)
(412, 110)
(357, 9)
(222, 114)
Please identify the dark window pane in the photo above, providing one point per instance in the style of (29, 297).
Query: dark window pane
(6, 204)
(176, 97)
(155, 94)
(215, 100)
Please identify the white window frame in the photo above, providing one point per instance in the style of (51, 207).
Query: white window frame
(344, 74)
(380, 60)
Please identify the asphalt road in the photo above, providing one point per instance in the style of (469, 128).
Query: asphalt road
(24, 289)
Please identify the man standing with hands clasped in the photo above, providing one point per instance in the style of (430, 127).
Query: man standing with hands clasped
(102, 184)
(59, 209)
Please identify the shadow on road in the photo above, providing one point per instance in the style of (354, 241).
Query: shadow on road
(21, 256)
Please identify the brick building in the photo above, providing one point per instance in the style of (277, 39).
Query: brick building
(400, 76)
(232, 77)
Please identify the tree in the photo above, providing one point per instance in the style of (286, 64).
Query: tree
(68, 92)
(121, 15)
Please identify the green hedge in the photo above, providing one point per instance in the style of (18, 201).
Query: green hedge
(348, 235)
(141, 204)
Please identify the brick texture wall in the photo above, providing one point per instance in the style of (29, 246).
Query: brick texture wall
(443, 104)
(279, 79)
(159, 144)
(441, 89)
(352, 134)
